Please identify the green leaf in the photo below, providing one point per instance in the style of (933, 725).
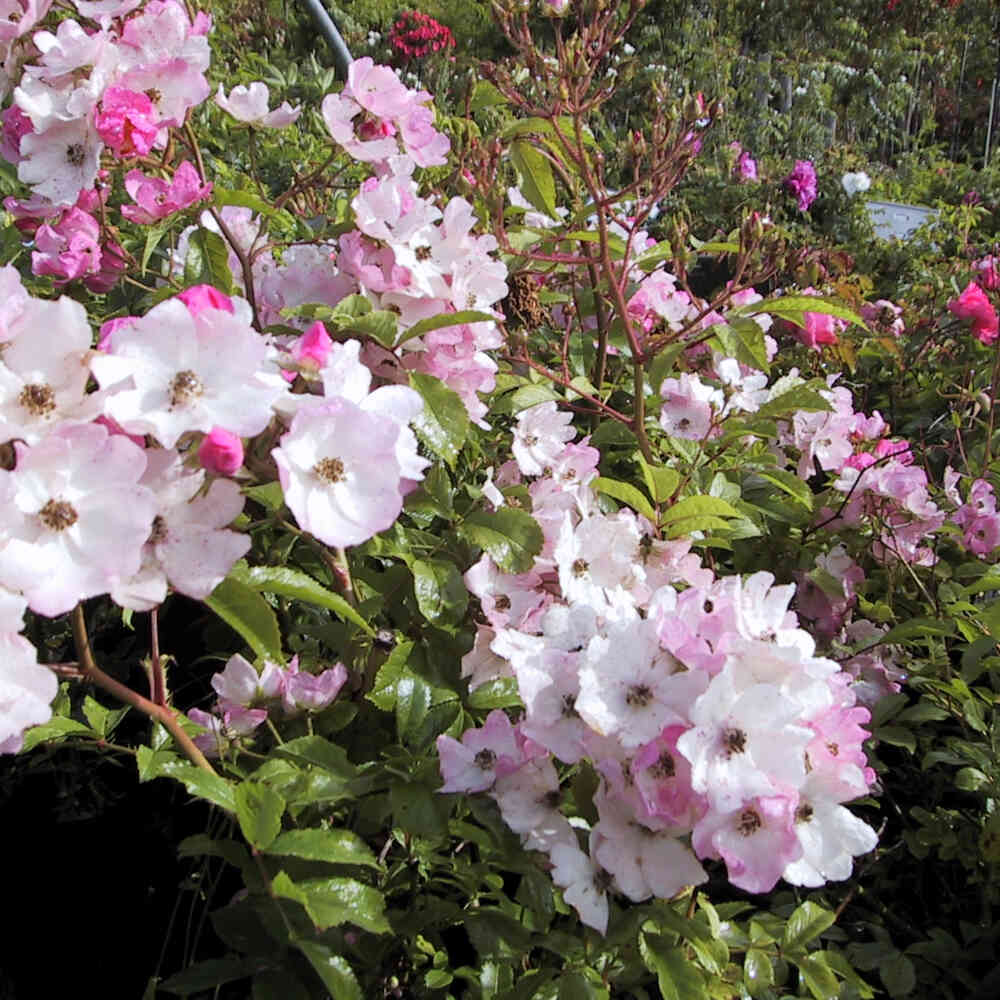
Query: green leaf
(102, 720)
(440, 591)
(791, 307)
(320, 753)
(661, 481)
(383, 693)
(678, 977)
(207, 975)
(207, 261)
(333, 970)
(537, 183)
(698, 507)
(898, 975)
(818, 977)
(339, 847)
(331, 902)
(250, 615)
(259, 810)
(799, 398)
(154, 234)
(299, 585)
(501, 692)
(806, 922)
(444, 422)
(627, 494)
(56, 728)
(244, 199)
(459, 318)
(918, 628)
(790, 484)
(380, 324)
(758, 973)
(268, 496)
(512, 538)
(485, 95)
(212, 787)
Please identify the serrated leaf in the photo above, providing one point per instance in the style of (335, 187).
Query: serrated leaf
(627, 494)
(250, 615)
(485, 95)
(56, 728)
(791, 307)
(331, 902)
(334, 970)
(334, 846)
(700, 506)
(154, 234)
(512, 538)
(789, 483)
(200, 783)
(806, 922)
(299, 585)
(442, 320)
(677, 976)
(661, 481)
(383, 693)
(207, 261)
(443, 424)
(440, 591)
(320, 753)
(535, 172)
(259, 810)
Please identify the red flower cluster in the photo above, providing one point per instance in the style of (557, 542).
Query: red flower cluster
(416, 35)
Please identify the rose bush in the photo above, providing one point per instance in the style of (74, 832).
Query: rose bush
(550, 584)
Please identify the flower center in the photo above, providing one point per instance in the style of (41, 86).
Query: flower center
(568, 707)
(422, 253)
(58, 515)
(502, 602)
(159, 531)
(735, 741)
(75, 155)
(603, 880)
(579, 567)
(664, 766)
(804, 813)
(638, 695)
(749, 822)
(185, 388)
(38, 399)
(485, 759)
(330, 470)
(833, 749)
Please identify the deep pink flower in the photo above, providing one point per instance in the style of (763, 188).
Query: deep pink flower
(802, 183)
(201, 297)
(155, 199)
(128, 122)
(974, 304)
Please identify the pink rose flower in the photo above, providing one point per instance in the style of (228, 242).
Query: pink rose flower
(802, 183)
(973, 304)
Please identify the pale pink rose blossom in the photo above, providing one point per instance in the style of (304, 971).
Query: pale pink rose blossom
(249, 104)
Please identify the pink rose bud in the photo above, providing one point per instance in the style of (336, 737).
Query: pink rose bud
(221, 452)
(201, 297)
(313, 348)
